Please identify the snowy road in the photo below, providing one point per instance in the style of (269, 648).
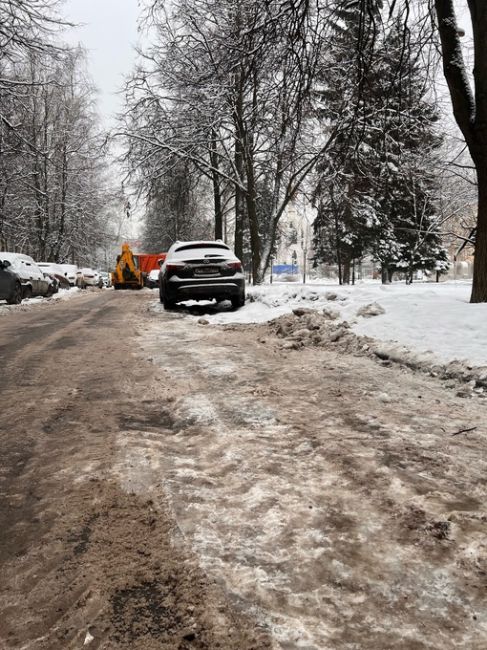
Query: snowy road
(326, 492)
(171, 484)
(83, 559)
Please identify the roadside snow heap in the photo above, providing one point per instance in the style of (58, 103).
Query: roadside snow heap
(307, 327)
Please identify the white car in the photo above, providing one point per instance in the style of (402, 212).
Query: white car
(91, 277)
(73, 274)
(105, 278)
(152, 280)
(57, 271)
(32, 278)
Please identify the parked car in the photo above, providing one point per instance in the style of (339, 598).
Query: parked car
(10, 285)
(201, 270)
(105, 276)
(91, 277)
(152, 280)
(53, 284)
(31, 277)
(57, 271)
(73, 274)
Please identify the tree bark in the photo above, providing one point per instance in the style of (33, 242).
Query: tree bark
(239, 167)
(470, 111)
(479, 285)
(239, 202)
(346, 265)
(251, 197)
(215, 177)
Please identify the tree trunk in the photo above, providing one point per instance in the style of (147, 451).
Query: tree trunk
(337, 244)
(346, 263)
(470, 111)
(384, 272)
(239, 209)
(259, 261)
(239, 168)
(215, 177)
(255, 243)
(64, 191)
(479, 285)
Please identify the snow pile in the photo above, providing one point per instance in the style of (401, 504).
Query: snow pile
(65, 294)
(26, 305)
(305, 327)
(309, 328)
(435, 320)
(374, 309)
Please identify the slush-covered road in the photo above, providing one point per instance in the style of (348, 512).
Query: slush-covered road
(167, 483)
(86, 555)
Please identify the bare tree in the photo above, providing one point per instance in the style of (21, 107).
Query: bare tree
(470, 111)
(229, 87)
(51, 162)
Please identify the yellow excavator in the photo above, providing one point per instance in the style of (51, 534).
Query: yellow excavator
(126, 274)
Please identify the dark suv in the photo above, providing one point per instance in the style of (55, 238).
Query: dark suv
(201, 270)
(10, 287)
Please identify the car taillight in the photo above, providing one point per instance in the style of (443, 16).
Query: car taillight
(175, 266)
(236, 266)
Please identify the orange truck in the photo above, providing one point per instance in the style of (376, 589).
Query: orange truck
(149, 261)
(132, 269)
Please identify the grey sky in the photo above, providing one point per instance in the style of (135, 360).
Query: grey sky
(109, 32)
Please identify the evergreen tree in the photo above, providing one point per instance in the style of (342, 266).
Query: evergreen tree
(377, 191)
(407, 148)
(346, 218)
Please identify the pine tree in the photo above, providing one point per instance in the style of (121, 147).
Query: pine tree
(407, 147)
(377, 189)
(347, 218)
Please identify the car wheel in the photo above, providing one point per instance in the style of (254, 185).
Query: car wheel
(168, 304)
(16, 297)
(27, 292)
(238, 301)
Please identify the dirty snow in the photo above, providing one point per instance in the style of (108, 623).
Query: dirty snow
(61, 295)
(322, 491)
(431, 318)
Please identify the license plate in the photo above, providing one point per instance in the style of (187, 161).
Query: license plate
(206, 270)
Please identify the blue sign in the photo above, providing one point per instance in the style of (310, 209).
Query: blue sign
(285, 269)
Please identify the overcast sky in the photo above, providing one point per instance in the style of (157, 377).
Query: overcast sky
(108, 32)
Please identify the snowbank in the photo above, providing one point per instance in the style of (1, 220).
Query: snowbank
(432, 319)
(62, 295)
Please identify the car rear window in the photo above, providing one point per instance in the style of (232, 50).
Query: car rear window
(190, 247)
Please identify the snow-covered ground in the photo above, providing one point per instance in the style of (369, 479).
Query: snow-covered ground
(61, 295)
(429, 317)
